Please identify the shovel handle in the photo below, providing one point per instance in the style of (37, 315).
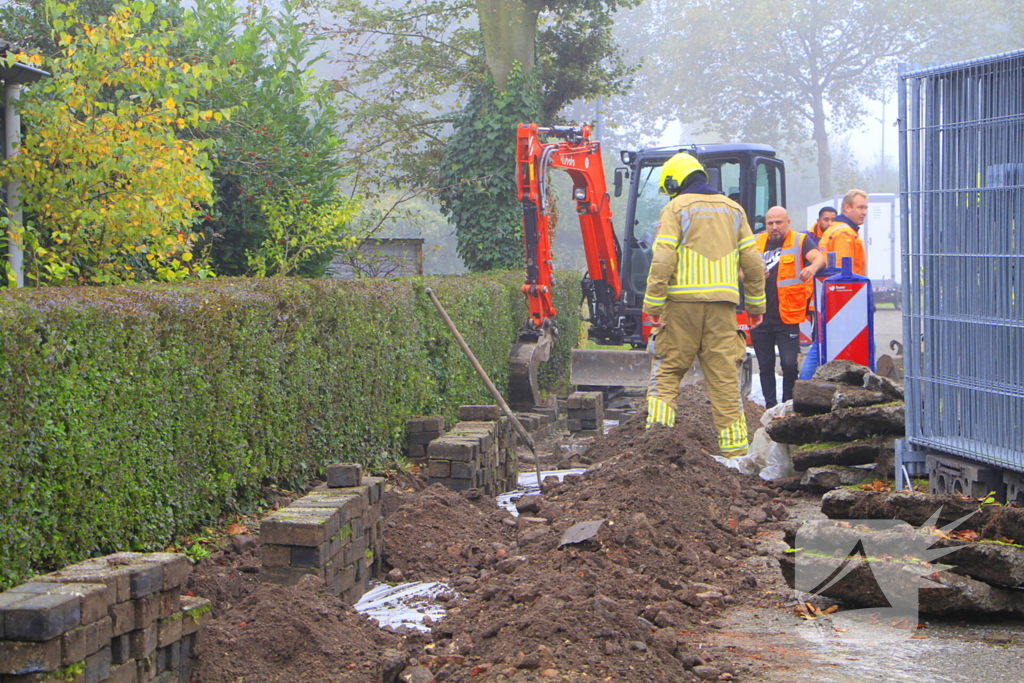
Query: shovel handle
(486, 380)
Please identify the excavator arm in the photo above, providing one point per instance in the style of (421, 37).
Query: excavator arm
(580, 157)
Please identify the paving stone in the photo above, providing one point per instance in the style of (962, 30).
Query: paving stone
(7, 600)
(98, 570)
(272, 555)
(422, 438)
(147, 609)
(300, 526)
(42, 617)
(375, 488)
(176, 568)
(142, 642)
(349, 503)
(145, 576)
(344, 475)
(195, 614)
(479, 413)
(122, 615)
(463, 470)
(124, 673)
(120, 649)
(448, 448)
(169, 630)
(170, 602)
(302, 556)
(24, 657)
(97, 666)
(95, 598)
(439, 468)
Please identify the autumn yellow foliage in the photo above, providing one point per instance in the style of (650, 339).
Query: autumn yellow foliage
(111, 185)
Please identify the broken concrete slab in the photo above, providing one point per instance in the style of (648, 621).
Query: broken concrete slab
(862, 452)
(995, 563)
(579, 533)
(848, 424)
(843, 372)
(853, 397)
(821, 479)
(990, 521)
(873, 382)
(814, 397)
(939, 593)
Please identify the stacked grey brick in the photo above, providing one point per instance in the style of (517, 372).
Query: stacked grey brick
(119, 619)
(585, 411)
(335, 533)
(420, 432)
(478, 452)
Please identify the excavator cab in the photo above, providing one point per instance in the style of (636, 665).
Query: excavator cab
(617, 260)
(750, 174)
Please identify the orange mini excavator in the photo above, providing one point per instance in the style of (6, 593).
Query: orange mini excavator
(617, 265)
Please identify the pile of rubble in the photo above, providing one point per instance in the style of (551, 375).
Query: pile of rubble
(947, 554)
(842, 427)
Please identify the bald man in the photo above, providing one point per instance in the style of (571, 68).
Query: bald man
(790, 261)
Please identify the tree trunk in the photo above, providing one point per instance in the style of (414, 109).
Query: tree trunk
(824, 153)
(509, 30)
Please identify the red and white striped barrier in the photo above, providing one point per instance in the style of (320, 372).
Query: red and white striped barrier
(848, 332)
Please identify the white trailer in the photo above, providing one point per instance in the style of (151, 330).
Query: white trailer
(881, 236)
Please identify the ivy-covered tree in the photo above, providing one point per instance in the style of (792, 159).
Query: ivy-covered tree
(110, 188)
(478, 189)
(406, 70)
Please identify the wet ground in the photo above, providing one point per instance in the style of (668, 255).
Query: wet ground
(791, 650)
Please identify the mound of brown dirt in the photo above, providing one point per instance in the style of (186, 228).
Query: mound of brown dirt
(432, 534)
(635, 603)
(629, 604)
(693, 422)
(292, 634)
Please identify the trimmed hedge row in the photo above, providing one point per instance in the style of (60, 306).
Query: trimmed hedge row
(131, 414)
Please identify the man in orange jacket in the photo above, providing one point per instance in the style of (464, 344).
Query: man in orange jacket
(790, 263)
(818, 228)
(843, 239)
(843, 235)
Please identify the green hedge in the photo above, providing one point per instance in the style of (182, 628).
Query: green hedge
(131, 414)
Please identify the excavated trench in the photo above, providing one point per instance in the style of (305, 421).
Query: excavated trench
(680, 583)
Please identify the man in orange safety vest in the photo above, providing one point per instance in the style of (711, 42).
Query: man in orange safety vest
(790, 262)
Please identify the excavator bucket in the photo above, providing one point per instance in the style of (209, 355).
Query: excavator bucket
(524, 361)
(632, 369)
(610, 368)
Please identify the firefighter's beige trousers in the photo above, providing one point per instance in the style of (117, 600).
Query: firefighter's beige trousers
(707, 332)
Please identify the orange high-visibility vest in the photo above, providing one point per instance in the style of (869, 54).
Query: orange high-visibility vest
(844, 241)
(793, 293)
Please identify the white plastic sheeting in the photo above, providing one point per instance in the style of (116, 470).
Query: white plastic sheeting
(406, 604)
(528, 484)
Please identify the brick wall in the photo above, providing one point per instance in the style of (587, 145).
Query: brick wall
(334, 532)
(120, 618)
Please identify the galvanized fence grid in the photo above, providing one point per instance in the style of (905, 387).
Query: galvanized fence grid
(962, 194)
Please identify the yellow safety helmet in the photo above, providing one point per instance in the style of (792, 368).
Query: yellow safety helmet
(677, 169)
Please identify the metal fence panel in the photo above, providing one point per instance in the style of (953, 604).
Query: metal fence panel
(962, 189)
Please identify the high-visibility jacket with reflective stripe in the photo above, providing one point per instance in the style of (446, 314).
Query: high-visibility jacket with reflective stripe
(703, 240)
(793, 293)
(843, 239)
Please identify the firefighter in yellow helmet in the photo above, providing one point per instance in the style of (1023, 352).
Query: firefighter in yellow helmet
(692, 292)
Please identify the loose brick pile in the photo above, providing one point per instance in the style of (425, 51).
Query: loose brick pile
(585, 411)
(120, 618)
(420, 432)
(479, 452)
(334, 532)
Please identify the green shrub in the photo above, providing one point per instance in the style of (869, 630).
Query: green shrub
(131, 414)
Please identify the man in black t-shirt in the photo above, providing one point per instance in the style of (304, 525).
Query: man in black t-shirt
(790, 261)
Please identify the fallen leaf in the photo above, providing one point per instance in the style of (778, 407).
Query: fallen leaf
(235, 529)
